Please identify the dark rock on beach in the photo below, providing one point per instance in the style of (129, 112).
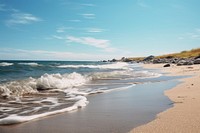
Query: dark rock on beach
(166, 65)
(197, 61)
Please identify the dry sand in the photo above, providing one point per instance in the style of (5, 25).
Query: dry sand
(184, 117)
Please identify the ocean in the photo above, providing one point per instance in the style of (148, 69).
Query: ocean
(35, 89)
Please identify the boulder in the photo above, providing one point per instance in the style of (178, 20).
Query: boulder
(197, 61)
(166, 65)
(185, 62)
(113, 60)
(181, 62)
(190, 63)
(197, 57)
(148, 58)
(156, 61)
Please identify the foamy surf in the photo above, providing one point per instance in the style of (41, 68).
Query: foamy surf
(6, 64)
(15, 118)
(118, 65)
(30, 64)
(79, 101)
(60, 88)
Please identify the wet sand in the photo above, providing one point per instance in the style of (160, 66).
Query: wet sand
(184, 117)
(113, 112)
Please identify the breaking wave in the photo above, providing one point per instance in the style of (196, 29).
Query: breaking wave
(65, 81)
(30, 64)
(118, 65)
(6, 64)
(45, 82)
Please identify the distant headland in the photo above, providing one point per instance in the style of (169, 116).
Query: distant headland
(189, 57)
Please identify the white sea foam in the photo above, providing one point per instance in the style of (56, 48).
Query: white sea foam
(81, 101)
(29, 64)
(18, 88)
(46, 81)
(147, 74)
(6, 64)
(118, 65)
(66, 81)
(14, 119)
(113, 74)
(59, 81)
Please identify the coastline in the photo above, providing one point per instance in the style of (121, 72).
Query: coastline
(184, 116)
(107, 112)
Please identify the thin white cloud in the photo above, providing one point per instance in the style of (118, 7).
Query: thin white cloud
(58, 37)
(95, 30)
(195, 34)
(21, 18)
(63, 29)
(98, 43)
(88, 16)
(23, 54)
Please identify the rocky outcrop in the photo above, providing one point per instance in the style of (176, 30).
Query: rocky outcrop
(167, 60)
(170, 60)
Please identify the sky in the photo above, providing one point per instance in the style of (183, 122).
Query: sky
(96, 29)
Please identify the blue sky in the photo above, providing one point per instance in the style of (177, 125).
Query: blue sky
(96, 29)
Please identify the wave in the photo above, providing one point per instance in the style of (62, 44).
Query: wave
(45, 82)
(48, 81)
(6, 64)
(30, 64)
(65, 81)
(118, 65)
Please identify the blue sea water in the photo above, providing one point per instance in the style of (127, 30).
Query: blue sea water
(34, 89)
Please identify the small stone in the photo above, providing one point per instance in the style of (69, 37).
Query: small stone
(166, 65)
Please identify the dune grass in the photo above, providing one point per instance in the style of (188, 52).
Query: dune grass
(183, 54)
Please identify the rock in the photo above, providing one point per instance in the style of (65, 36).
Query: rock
(190, 63)
(113, 60)
(156, 61)
(197, 61)
(197, 57)
(104, 61)
(166, 65)
(125, 59)
(148, 58)
(174, 61)
(181, 62)
(185, 62)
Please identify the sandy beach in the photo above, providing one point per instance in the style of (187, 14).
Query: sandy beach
(184, 116)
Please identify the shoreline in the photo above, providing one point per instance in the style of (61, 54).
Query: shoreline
(184, 116)
(116, 111)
